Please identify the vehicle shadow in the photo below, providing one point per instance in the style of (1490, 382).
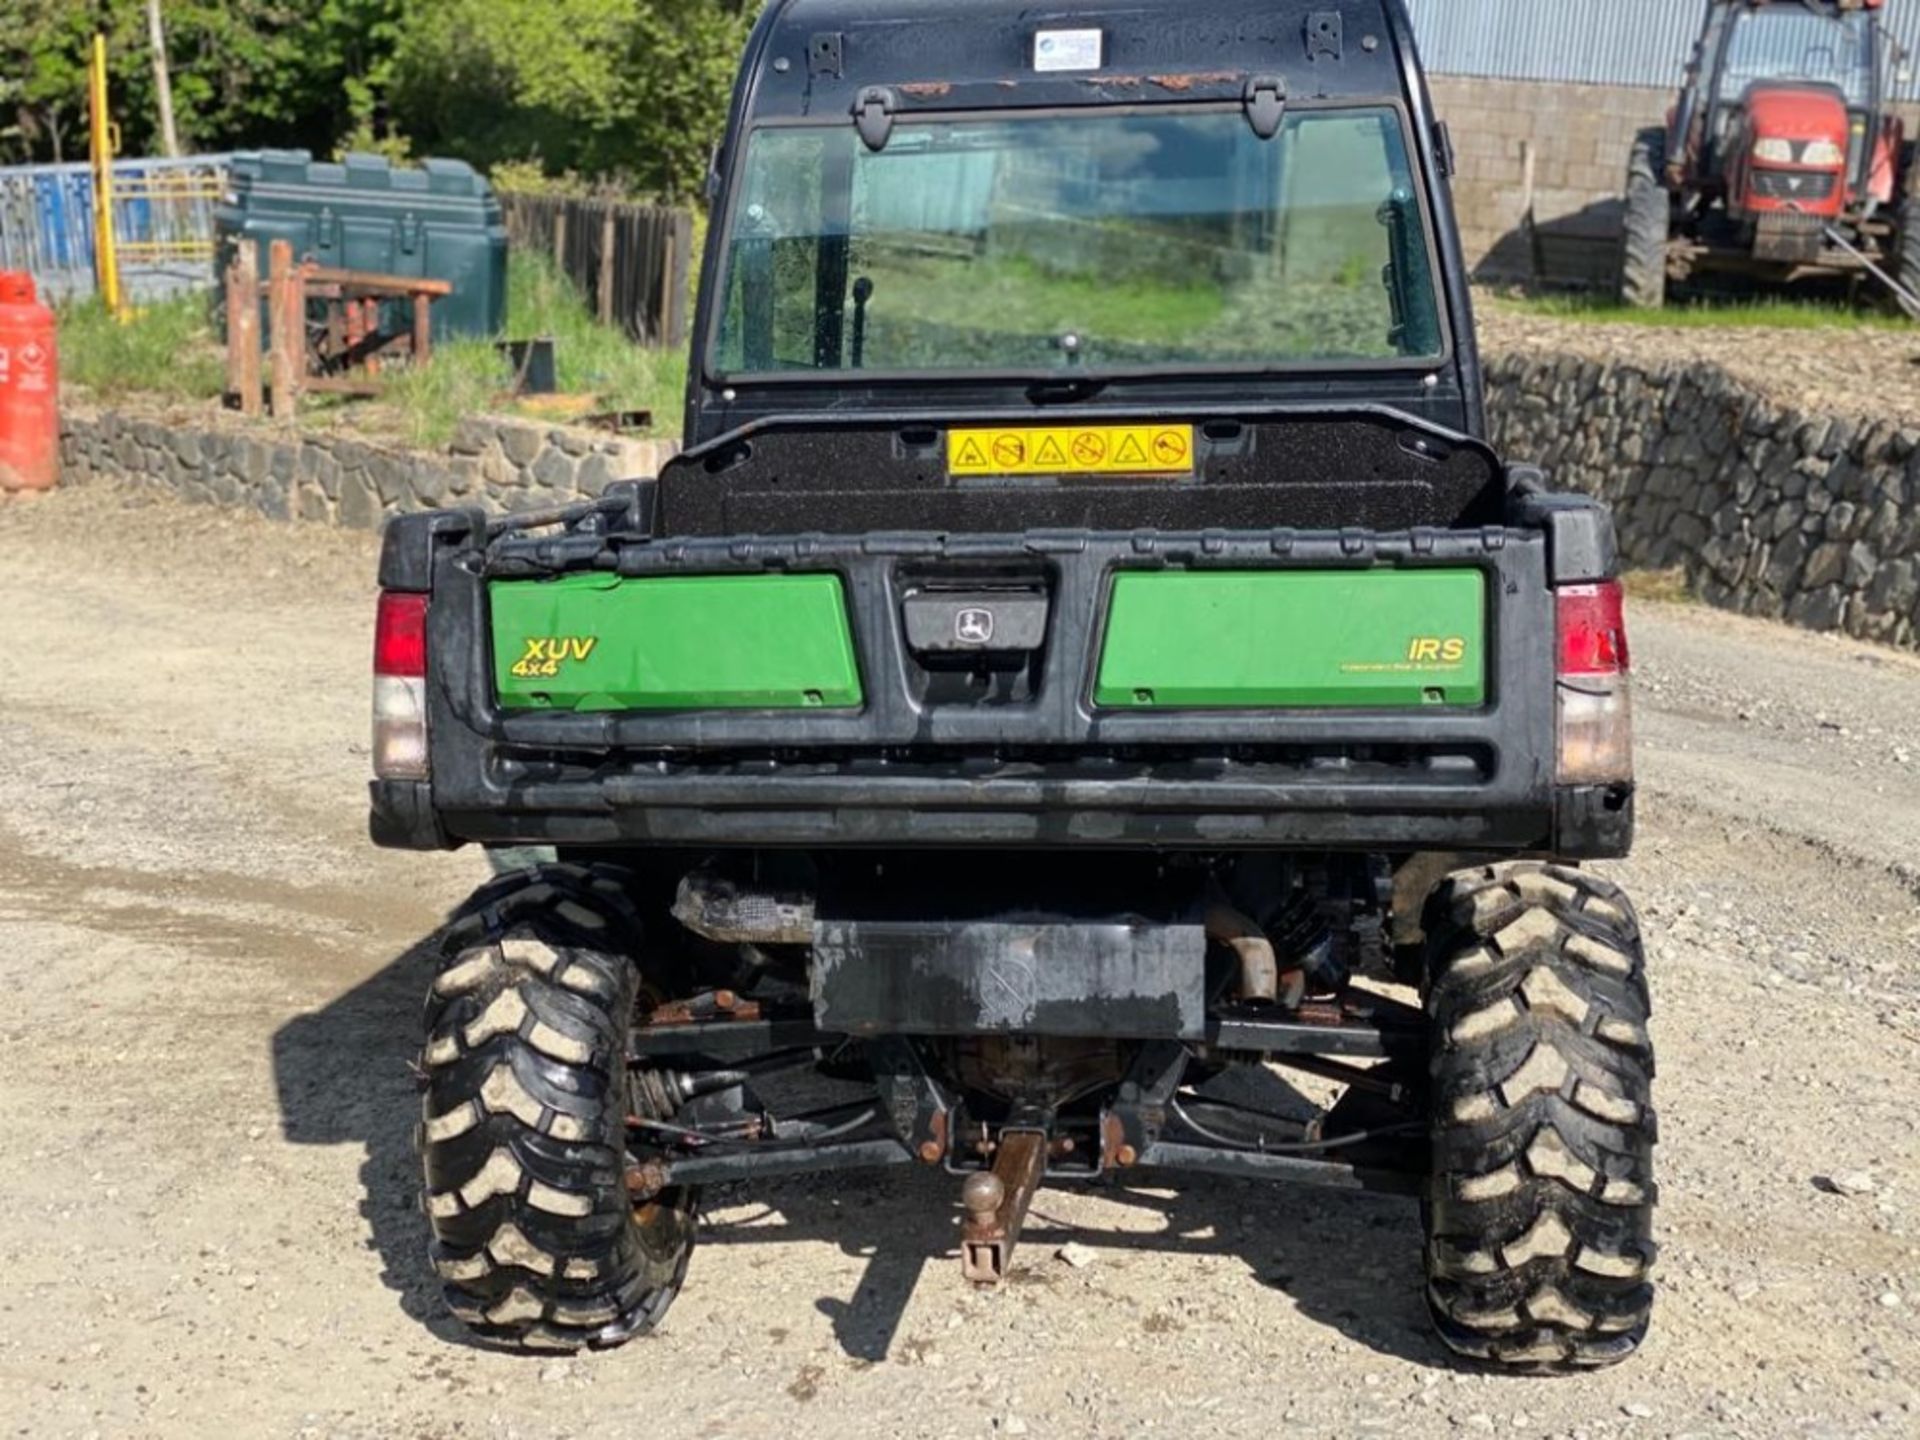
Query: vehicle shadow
(1351, 1261)
(1348, 1261)
(344, 1077)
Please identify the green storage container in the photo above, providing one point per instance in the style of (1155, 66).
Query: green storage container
(440, 221)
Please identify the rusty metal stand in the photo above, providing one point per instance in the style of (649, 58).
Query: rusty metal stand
(355, 344)
(996, 1202)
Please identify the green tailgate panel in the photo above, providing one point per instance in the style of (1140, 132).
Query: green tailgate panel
(720, 642)
(1269, 639)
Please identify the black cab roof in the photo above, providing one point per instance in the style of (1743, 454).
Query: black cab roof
(817, 55)
(823, 61)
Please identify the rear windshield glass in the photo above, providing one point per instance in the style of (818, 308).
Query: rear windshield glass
(1107, 240)
(1785, 44)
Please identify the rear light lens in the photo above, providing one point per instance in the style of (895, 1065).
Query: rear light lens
(1594, 691)
(400, 635)
(400, 687)
(1593, 629)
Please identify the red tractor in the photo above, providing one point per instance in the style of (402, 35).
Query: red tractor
(1782, 159)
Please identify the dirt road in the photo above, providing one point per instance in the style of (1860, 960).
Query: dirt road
(209, 1223)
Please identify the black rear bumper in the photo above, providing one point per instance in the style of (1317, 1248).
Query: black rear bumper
(1588, 822)
(1051, 771)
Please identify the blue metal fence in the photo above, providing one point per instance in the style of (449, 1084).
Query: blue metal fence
(1592, 42)
(163, 220)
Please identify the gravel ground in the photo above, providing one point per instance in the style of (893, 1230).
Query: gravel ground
(213, 996)
(1866, 374)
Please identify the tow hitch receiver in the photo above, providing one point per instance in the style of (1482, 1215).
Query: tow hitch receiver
(996, 1201)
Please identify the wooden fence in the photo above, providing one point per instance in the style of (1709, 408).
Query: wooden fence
(630, 261)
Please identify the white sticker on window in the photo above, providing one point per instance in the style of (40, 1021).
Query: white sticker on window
(1067, 50)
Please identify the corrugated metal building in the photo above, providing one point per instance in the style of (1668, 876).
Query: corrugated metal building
(1591, 42)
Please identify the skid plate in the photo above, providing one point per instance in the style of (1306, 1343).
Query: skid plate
(1035, 975)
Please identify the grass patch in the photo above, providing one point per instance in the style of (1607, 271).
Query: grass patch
(167, 348)
(468, 377)
(1737, 313)
(1666, 587)
(1143, 308)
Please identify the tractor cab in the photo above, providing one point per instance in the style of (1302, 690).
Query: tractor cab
(1784, 108)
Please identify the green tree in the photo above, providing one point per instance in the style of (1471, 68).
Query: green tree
(634, 90)
(245, 72)
(43, 80)
(254, 72)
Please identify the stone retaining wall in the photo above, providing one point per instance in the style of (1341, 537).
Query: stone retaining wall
(1769, 510)
(336, 479)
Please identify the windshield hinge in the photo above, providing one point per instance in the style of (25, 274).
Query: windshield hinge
(873, 116)
(1443, 149)
(1266, 102)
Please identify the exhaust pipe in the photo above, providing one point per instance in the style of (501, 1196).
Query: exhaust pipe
(1261, 982)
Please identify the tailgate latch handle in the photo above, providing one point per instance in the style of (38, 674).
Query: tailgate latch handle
(1266, 102)
(873, 116)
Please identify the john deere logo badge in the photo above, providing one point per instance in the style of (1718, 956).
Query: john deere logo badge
(546, 654)
(973, 627)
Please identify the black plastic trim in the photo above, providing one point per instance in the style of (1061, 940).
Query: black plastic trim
(410, 542)
(402, 817)
(1594, 822)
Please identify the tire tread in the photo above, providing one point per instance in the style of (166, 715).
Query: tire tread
(523, 1113)
(1646, 224)
(1540, 1207)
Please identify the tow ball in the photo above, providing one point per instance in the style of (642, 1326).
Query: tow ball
(996, 1202)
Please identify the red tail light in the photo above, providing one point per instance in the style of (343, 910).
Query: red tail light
(400, 635)
(1595, 698)
(400, 687)
(1593, 629)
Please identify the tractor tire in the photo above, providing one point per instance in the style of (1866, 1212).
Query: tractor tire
(523, 1126)
(1906, 255)
(1540, 1198)
(1646, 225)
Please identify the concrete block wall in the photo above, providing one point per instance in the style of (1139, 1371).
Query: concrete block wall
(1581, 136)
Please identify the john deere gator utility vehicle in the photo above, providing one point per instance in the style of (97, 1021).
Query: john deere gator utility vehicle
(1783, 158)
(1086, 671)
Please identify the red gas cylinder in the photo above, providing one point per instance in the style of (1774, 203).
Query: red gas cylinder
(29, 387)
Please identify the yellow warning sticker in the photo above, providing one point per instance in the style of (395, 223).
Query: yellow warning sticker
(1073, 450)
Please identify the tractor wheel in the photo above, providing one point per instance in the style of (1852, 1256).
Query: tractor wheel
(1645, 227)
(1540, 1200)
(523, 1131)
(1906, 258)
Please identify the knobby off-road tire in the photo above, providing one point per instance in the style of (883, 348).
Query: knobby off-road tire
(523, 1129)
(1645, 226)
(1540, 1203)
